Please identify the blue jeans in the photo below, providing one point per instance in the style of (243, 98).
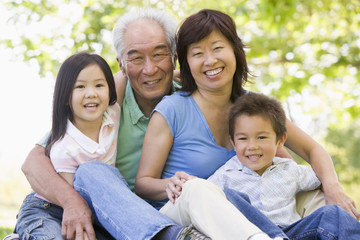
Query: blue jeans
(122, 213)
(242, 202)
(39, 219)
(328, 223)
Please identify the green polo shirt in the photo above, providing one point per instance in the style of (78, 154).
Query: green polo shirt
(133, 124)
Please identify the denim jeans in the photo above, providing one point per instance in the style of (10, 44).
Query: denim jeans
(39, 219)
(327, 223)
(242, 203)
(122, 213)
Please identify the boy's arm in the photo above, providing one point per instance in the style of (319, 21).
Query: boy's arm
(45, 181)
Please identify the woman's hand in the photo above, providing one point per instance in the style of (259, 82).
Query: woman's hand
(336, 195)
(175, 184)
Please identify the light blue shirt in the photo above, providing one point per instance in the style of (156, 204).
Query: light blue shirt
(194, 149)
(273, 193)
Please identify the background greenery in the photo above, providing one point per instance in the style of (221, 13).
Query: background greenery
(306, 53)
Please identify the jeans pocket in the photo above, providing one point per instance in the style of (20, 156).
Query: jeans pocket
(37, 230)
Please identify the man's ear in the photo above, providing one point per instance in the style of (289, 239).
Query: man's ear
(174, 61)
(122, 68)
(282, 140)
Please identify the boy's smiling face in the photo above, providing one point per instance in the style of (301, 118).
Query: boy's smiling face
(255, 142)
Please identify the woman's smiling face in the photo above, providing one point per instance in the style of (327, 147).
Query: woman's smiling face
(212, 62)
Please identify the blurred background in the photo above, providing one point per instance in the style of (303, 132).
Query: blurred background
(306, 53)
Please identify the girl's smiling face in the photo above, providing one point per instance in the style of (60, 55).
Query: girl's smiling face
(90, 96)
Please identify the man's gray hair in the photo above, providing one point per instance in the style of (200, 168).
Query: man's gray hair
(165, 20)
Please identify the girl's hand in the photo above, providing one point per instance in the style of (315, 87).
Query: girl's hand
(336, 195)
(175, 184)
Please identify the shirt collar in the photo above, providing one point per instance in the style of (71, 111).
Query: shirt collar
(235, 164)
(135, 113)
(84, 141)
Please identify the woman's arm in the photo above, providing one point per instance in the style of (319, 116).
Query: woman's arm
(44, 180)
(312, 152)
(157, 144)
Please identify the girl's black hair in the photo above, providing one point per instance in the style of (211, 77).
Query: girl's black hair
(64, 86)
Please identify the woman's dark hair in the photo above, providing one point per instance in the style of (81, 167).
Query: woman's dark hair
(197, 27)
(64, 86)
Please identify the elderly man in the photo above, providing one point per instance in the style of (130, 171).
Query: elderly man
(145, 45)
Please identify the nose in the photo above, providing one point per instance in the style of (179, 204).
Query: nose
(252, 144)
(90, 92)
(149, 67)
(210, 58)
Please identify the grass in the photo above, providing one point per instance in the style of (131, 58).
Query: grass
(5, 231)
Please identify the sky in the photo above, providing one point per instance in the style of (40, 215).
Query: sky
(25, 117)
(25, 98)
(26, 103)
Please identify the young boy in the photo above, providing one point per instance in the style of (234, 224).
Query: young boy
(257, 129)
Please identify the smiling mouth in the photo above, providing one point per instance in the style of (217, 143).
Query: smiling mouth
(152, 82)
(91, 105)
(214, 72)
(254, 157)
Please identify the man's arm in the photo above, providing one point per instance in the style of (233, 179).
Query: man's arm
(45, 181)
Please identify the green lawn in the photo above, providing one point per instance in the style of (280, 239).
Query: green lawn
(5, 231)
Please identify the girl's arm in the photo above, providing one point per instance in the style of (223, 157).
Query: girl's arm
(120, 85)
(157, 144)
(312, 152)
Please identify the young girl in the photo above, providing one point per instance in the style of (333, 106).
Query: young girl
(85, 122)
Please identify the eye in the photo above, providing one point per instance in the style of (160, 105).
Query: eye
(262, 137)
(160, 56)
(136, 60)
(100, 85)
(196, 54)
(79, 86)
(242, 138)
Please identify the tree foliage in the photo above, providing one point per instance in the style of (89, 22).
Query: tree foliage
(306, 53)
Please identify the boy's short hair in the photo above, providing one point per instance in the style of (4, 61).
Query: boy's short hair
(253, 104)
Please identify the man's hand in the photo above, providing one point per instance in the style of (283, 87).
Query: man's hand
(336, 195)
(77, 220)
